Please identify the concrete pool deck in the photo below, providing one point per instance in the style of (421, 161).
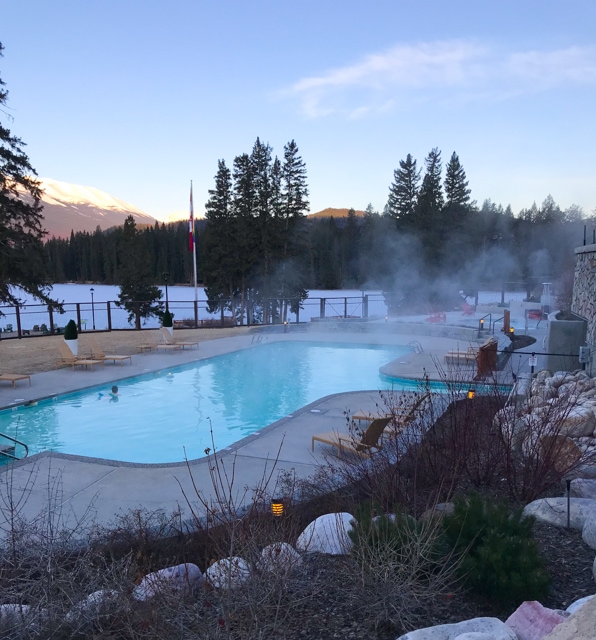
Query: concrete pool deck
(74, 487)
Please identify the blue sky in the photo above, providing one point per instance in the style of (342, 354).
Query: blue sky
(138, 97)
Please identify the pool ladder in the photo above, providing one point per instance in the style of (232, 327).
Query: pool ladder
(416, 346)
(7, 451)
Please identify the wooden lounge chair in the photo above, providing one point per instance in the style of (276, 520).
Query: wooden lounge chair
(402, 418)
(462, 357)
(13, 377)
(366, 445)
(67, 358)
(98, 354)
(169, 340)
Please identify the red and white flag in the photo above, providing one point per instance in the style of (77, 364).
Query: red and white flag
(191, 225)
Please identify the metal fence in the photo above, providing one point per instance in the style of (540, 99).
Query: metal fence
(39, 319)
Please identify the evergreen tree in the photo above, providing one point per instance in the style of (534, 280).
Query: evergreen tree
(22, 254)
(456, 185)
(403, 193)
(430, 196)
(138, 293)
(428, 221)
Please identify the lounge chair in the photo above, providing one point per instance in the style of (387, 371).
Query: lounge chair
(98, 354)
(465, 357)
(67, 358)
(169, 340)
(13, 377)
(366, 445)
(402, 418)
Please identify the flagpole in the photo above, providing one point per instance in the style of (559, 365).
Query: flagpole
(194, 247)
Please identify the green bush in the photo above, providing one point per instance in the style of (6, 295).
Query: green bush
(167, 319)
(70, 330)
(500, 556)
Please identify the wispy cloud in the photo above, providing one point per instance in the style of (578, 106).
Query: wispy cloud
(453, 67)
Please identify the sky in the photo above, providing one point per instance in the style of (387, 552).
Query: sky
(139, 97)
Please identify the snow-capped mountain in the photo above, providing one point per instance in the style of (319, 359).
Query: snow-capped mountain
(70, 207)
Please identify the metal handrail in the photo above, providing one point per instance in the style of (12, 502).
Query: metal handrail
(495, 322)
(489, 316)
(414, 344)
(9, 455)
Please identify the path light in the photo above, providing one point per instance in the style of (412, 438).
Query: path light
(277, 507)
(165, 276)
(92, 307)
(471, 394)
(285, 326)
(481, 324)
(511, 330)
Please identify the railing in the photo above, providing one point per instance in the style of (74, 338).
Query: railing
(40, 319)
(7, 454)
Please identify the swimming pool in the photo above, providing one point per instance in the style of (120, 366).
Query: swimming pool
(158, 417)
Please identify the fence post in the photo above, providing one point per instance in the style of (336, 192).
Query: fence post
(222, 316)
(195, 305)
(18, 315)
(109, 310)
(79, 316)
(322, 308)
(345, 307)
(365, 306)
(297, 311)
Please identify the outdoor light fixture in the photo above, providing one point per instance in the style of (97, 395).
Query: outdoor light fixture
(471, 394)
(481, 321)
(511, 330)
(92, 307)
(277, 507)
(285, 326)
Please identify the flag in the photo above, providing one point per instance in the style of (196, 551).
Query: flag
(191, 225)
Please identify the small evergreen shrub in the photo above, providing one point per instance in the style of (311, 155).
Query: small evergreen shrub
(70, 330)
(167, 319)
(500, 556)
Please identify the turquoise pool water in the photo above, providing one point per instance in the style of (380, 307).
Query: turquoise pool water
(158, 417)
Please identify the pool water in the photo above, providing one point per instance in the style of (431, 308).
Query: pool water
(167, 416)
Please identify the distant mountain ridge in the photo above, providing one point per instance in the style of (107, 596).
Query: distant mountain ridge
(69, 207)
(330, 212)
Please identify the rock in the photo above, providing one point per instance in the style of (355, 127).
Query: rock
(92, 605)
(490, 628)
(13, 615)
(182, 576)
(279, 557)
(228, 573)
(440, 510)
(589, 531)
(574, 606)
(580, 421)
(583, 488)
(554, 511)
(532, 621)
(327, 534)
(541, 376)
(581, 625)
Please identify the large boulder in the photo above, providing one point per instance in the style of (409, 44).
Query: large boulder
(554, 511)
(581, 625)
(327, 534)
(177, 578)
(476, 628)
(279, 557)
(578, 604)
(532, 621)
(228, 573)
(583, 488)
(589, 530)
(580, 421)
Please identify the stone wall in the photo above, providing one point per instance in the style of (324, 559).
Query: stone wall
(584, 291)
